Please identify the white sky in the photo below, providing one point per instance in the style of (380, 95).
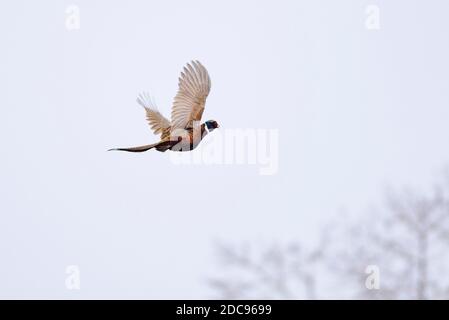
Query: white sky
(355, 109)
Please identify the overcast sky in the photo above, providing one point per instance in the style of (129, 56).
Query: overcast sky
(356, 109)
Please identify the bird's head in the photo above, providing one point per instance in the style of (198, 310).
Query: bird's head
(211, 125)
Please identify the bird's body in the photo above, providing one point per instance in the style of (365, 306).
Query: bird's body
(184, 132)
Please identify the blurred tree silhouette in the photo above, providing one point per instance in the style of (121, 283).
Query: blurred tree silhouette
(278, 271)
(407, 240)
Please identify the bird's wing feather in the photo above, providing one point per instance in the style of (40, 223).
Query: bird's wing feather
(158, 123)
(189, 102)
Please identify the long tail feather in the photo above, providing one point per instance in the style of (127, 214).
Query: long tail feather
(161, 146)
(136, 149)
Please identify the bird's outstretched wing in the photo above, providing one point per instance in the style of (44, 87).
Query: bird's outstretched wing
(158, 123)
(189, 102)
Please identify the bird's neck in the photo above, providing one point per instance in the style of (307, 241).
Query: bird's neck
(204, 130)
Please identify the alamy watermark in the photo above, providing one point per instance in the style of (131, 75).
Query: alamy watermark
(72, 18)
(372, 281)
(372, 20)
(73, 279)
(257, 147)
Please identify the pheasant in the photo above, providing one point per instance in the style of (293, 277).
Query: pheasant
(184, 132)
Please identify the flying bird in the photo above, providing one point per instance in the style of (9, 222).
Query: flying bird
(185, 131)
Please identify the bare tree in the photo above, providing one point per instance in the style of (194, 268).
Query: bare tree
(407, 240)
(277, 272)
